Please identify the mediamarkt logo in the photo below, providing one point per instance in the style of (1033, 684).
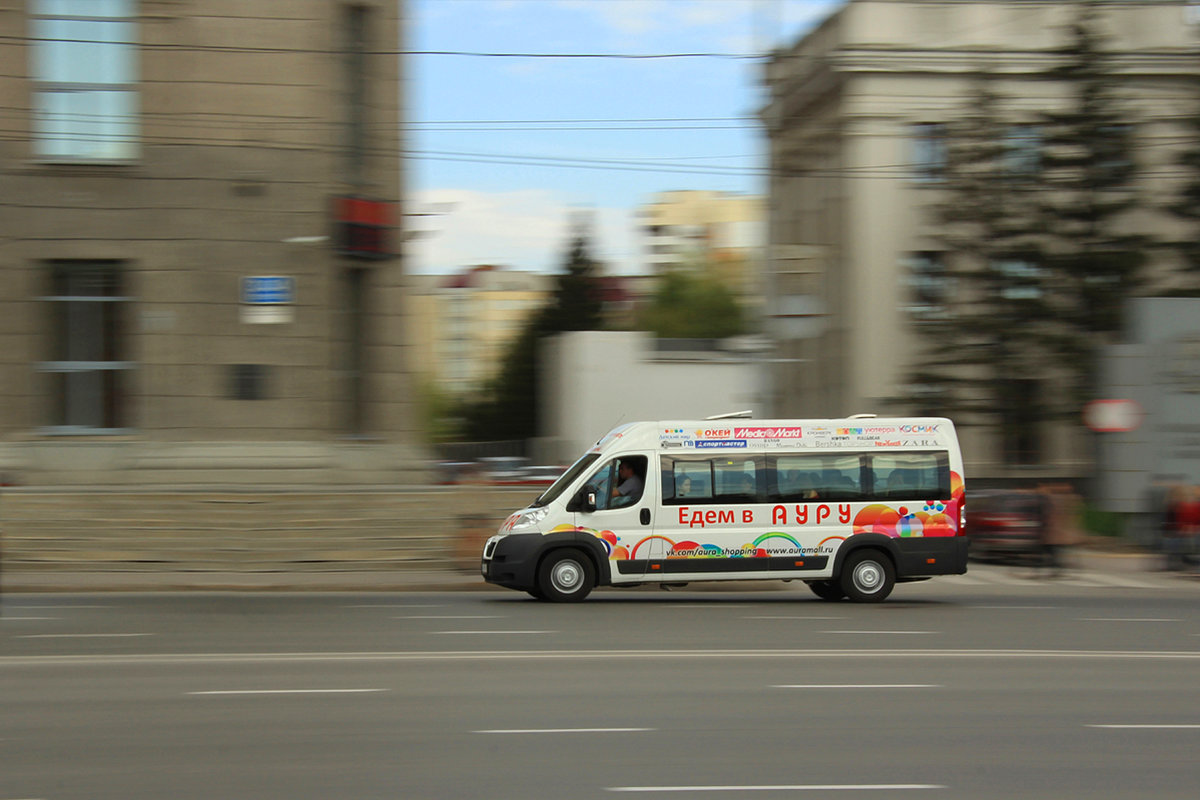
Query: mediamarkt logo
(767, 433)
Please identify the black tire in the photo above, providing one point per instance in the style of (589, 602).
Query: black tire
(867, 576)
(536, 594)
(566, 576)
(826, 590)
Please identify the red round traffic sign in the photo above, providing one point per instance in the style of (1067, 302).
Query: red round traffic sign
(1113, 416)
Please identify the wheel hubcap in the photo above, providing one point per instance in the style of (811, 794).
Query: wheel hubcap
(566, 576)
(868, 576)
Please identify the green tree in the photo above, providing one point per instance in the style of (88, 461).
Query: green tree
(979, 305)
(1093, 260)
(1187, 205)
(691, 305)
(1041, 248)
(439, 414)
(509, 405)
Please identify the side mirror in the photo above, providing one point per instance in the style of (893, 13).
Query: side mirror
(584, 500)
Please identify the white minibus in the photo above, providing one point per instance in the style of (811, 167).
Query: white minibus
(849, 506)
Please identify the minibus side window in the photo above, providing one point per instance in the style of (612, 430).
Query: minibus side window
(910, 476)
(606, 480)
(810, 478)
(840, 477)
(796, 478)
(687, 481)
(600, 484)
(736, 480)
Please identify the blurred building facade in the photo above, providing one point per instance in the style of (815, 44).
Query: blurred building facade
(199, 279)
(717, 231)
(1150, 422)
(854, 111)
(462, 325)
(596, 380)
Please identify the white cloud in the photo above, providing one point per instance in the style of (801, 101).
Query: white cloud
(640, 18)
(722, 21)
(527, 229)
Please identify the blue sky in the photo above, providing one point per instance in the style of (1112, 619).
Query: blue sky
(506, 149)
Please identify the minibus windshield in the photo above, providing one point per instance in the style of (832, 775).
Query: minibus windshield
(566, 479)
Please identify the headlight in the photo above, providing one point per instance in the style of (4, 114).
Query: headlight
(526, 521)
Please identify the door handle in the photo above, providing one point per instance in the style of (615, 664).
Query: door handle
(645, 516)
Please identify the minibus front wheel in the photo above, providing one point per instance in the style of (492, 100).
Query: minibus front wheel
(565, 576)
(868, 576)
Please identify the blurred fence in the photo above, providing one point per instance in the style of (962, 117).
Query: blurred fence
(252, 531)
(473, 451)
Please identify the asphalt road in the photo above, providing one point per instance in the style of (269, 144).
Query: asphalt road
(948, 690)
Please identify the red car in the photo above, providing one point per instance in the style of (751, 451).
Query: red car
(1005, 525)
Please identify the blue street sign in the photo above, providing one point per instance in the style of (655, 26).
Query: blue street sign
(261, 290)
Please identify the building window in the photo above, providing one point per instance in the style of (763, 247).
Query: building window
(85, 102)
(1114, 154)
(1019, 423)
(87, 376)
(1023, 151)
(929, 286)
(248, 381)
(1019, 280)
(929, 152)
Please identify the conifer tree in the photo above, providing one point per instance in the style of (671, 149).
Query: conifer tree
(509, 404)
(980, 306)
(1092, 259)
(1187, 205)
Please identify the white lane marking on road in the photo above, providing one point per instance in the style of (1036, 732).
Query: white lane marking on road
(975, 578)
(566, 730)
(796, 617)
(399, 605)
(1128, 619)
(1018, 608)
(81, 635)
(456, 633)
(898, 633)
(858, 686)
(799, 787)
(25, 619)
(871, 654)
(1105, 579)
(1149, 726)
(43, 607)
(450, 616)
(287, 691)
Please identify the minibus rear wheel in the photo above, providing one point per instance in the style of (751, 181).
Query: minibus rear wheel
(566, 576)
(868, 576)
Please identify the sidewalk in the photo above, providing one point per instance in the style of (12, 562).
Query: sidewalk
(411, 580)
(1097, 557)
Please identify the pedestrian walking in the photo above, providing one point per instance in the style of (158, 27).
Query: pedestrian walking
(1172, 543)
(1061, 529)
(1187, 523)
